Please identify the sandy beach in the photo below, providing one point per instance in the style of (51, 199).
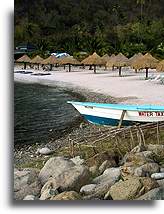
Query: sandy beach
(132, 87)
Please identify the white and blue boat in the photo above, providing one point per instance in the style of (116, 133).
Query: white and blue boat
(119, 114)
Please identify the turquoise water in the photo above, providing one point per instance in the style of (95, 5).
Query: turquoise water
(41, 113)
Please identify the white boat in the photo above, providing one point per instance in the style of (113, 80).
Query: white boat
(119, 114)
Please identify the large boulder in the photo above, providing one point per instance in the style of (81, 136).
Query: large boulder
(146, 169)
(111, 175)
(54, 167)
(106, 164)
(71, 179)
(126, 190)
(154, 194)
(104, 182)
(26, 183)
(69, 195)
(139, 158)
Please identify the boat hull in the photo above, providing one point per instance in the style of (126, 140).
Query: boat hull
(107, 114)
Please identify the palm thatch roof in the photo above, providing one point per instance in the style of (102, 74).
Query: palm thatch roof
(134, 58)
(37, 60)
(146, 61)
(69, 60)
(51, 60)
(93, 59)
(119, 61)
(160, 66)
(106, 57)
(24, 58)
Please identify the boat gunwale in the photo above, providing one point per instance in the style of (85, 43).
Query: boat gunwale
(120, 106)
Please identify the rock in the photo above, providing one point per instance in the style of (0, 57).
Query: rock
(154, 194)
(155, 147)
(77, 160)
(26, 183)
(104, 182)
(48, 190)
(106, 164)
(29, 197)
(99, 158)
(72, 179)
(88, 189)
(146, 169)
(44, 151)
(148, 184)
(138, 159)
(125, 190)
(111, 174)
(54, 167)
(161, 169)
(71, 195)
(160, 182)
(158, 176)
(94, 170)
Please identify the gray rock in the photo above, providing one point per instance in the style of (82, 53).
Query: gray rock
(112, 175)
(29, 197)
(48, 190)
(77, 160)
(158, 176)
(161, 182)
(88, 189)
(161, 169)
(26, 183)
(126, 190)
(146, 169)
(54, 167)
(106, 164)
(72, 179)
(45, 151)
(155, 147)
(154, 194)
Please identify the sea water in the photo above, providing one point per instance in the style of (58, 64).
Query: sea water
(41, 113)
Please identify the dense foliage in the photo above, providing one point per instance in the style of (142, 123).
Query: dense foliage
(104, 26)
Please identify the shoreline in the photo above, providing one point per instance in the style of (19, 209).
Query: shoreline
(27, 153)
(129, 89)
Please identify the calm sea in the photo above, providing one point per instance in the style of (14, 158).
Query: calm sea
(41, 113)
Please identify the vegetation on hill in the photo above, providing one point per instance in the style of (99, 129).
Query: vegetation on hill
(104, 26)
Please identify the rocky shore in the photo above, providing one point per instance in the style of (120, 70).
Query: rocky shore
(138, 175)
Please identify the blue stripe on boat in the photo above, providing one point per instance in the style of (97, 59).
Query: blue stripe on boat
(121, 106)
(105, 121)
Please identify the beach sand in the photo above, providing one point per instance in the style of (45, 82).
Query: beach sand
(132, 88)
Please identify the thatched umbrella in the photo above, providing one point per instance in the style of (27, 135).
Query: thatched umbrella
(25, 59)
(105, 58)
(94, 60)
(69, 60)
(119, 61)
(147, 61)
(134, 58)
(37, 60)
(51, 60)
(160, 66)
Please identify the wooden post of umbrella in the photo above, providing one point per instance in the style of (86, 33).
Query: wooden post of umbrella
(24, 65)
(94, 69)
(69, 68)
(119, 71)
(50, 67)
(147, 73)
(38, 66)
